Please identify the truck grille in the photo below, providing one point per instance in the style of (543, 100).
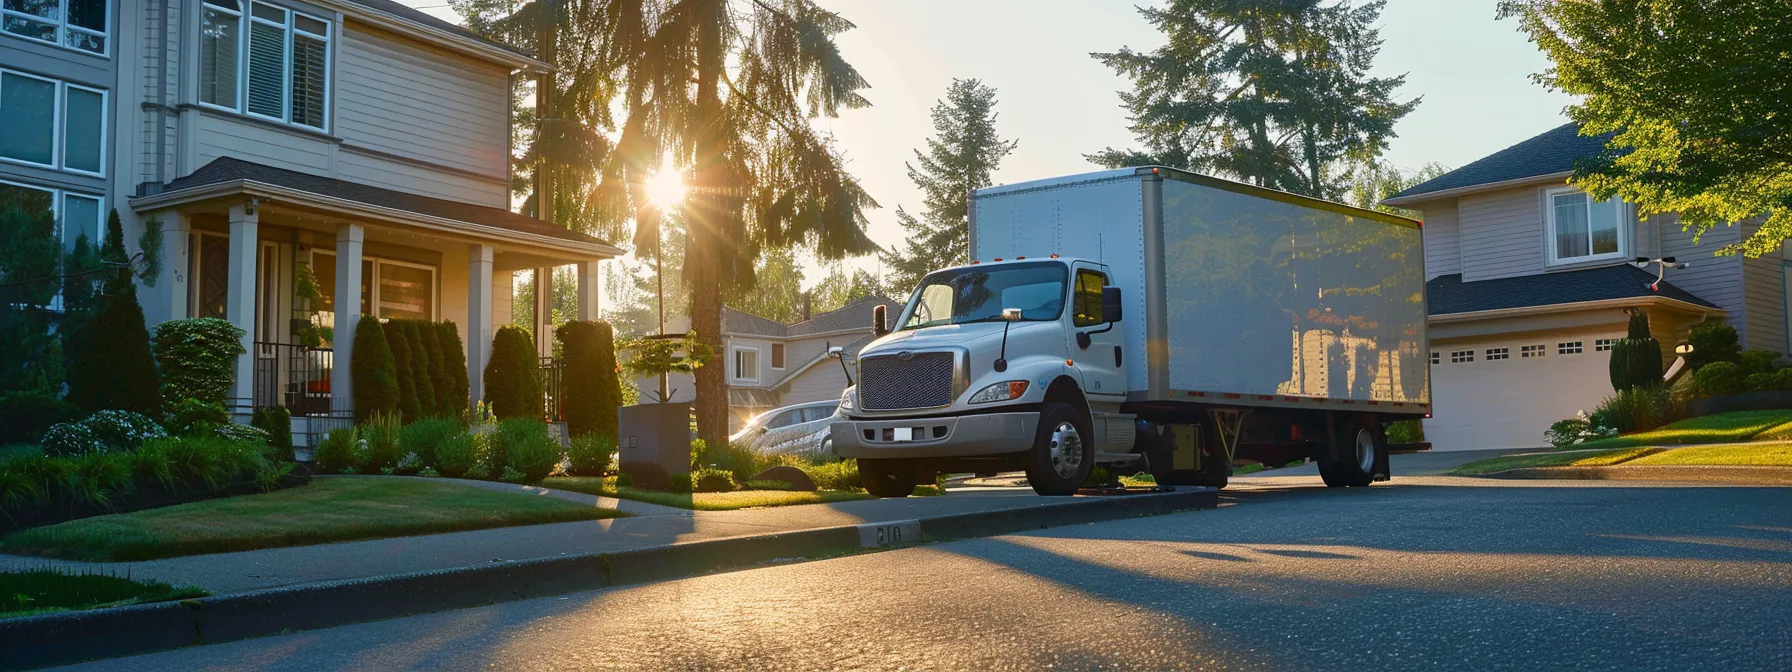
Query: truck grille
(889, 383)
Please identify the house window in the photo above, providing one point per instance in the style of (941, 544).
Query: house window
(276, 66)
(1498, 353)
(746, 365)
(1568, 348)
(74, 24)
(1604, 344)
(389, 289)
(51, 123)
(777, 355)
(1531, 351)
(1435, 356)
(1581, 229)
(1461, 356)
(72, 214)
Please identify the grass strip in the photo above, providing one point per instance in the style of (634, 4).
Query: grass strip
(1759, 455)
(331, 509)
(1731, 427)
(700, 501)
(47, 591)
(1568, 459)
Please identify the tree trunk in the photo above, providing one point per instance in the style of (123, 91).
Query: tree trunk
(706, 215)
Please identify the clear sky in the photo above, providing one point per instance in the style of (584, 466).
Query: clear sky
(1472, 72)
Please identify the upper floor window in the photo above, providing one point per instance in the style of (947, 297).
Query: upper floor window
(75, 24)
(272, 63)
(746, 364)
(52, 123)
(1581, 229)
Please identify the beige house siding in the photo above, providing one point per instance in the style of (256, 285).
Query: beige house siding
(359, 167)
(1712, 278)
(403, 98)
(1442, 234)
(1501, 233)
(822, 382)
(223, 134)
(1764, 287)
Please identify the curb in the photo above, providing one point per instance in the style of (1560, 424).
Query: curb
(71, 637)
(1713, 474)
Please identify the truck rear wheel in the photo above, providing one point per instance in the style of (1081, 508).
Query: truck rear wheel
(887, 478)
(1063, 452)
(1360, 445)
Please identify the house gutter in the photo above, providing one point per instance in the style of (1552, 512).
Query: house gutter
(1473, 188)
(1448, 318)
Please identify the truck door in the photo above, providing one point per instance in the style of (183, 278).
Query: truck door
(1102, 363)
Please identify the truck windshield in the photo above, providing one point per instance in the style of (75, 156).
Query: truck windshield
(965, 295)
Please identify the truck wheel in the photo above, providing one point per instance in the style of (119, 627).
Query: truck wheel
(1062, 453)
(1360, 446)
(887, 478)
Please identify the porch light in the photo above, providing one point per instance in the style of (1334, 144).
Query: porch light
(1684, 348)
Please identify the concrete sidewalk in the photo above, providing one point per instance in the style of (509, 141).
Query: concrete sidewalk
(649, 525)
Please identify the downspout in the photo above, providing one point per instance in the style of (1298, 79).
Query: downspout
(161, 173)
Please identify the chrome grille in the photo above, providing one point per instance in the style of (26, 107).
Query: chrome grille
(888, 382)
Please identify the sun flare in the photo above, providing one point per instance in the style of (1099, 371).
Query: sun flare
(666, 189)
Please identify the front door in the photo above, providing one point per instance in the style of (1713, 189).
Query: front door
(1102, 363)
(212, 291)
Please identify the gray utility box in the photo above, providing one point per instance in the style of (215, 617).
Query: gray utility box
(654, 442)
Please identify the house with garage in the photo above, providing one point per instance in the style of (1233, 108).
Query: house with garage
(1529, 280)
(359, 147)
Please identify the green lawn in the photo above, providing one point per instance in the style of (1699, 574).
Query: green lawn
(44, 591)
(1569, 459)
(701, 501)
(328, 510)
(1718, 428)
(1760, 454)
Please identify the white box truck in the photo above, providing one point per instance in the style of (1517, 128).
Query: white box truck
(1147, 319)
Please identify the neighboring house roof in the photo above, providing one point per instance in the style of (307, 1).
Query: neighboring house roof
(747, 324)
(1448, 294)
(454, 31)
(1551, 153)
(850, 317)
(223, 170)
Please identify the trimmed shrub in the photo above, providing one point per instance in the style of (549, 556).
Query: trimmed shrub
(1575, 430)
(382, 450)
(526, 447)
(455, 455)
(679, 483)
(1719, 378)
(420, 365)
(244, 433)
(768, 485)
(590, 454)
(338, 452)
(590, 392)
(1712, 342)
(454, 369)
(197, 358)
(1637, 409)
(277, 422)
(372, 372)
(424, 436)
(430, 334)
(1635, 362)
(1757, 361)
(1761, 381)
(842, 475)
(712, 480)
(192, 416)
(25, 415)
(401, 370)
(123, 430)
(513, 377)
(70, 439)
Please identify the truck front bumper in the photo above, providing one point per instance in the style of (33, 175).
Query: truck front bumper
(952, 436)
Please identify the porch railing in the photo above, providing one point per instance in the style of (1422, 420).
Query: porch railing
(293, 376)
(551, 370)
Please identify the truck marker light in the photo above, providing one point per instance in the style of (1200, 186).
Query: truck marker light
(1019, 258)
(974, 262)
(1068, 362)
(1054, 256)
(998, 258)
(1294, 432)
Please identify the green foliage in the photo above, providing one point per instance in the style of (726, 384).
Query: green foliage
(186, 464)
(650, 357)
(712, 480)
(964, 150)
(841, 475)
(1720, 378)
(30, 256)
(776, 293)
(111, 365)
(420, 366)
(1761, 381)
(526, 447)
(245, 434)
(373, 373)
(624, 480)
(1635, 363)
(679, 483)
(767, 485)
(513, 376)
(41, 591)
(1758, 361)
(277, 422)
(839, 288)
(456, 454)
(193, 416)
(1372, 182)
(589, 390)
(409, 406)
(454, 371)
(1712, 342)
(1637, 409)
(25, 415)
(1576, 430)
(425, 436)
(382, 449)
(1693, 91)
(197, 358)
(1274, 94)
(441, 406)
(105, 431)
(1098, 476)
(339, 452)
(1638, 328)
(1406, 431)
(590, 454)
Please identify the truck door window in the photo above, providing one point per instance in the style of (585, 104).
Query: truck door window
(1086, 303)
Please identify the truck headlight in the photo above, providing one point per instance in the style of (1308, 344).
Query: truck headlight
(849, 400)
(1000, 392)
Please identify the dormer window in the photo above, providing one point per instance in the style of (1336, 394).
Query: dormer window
(1582, 229)
(272, 62)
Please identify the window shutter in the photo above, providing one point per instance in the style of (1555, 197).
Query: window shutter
(267, 69)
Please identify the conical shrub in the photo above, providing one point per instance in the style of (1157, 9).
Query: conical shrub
(371, 371)
(513, 376)
(408, 407)
(590, 391)
(454, 369)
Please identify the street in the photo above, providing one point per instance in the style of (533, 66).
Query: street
(1420, 573)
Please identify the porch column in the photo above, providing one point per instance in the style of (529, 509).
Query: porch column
(348, 314)
(239, 306)
(167, 300)
(544, 312)
(589, 287)
(479, 319)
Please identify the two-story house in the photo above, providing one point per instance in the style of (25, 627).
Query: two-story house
(1528, 281)
(360, 141)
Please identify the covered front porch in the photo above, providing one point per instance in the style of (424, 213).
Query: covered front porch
(295, 260)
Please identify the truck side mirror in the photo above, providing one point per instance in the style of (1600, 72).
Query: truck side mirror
(1110, 304)
(879, 323)
(834, 352)
(1011, 314)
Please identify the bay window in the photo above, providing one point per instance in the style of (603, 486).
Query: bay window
(268, 61)
(1582, 229)
(74, 24)
(52, 123)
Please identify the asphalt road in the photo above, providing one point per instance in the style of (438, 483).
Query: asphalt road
(1424, 573)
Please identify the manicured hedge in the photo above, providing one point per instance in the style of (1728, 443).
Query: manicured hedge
(372, 372)
(197, 358)
(513, 377)
(454, 370)
(401, 370)
(420, 365)
(590, 392)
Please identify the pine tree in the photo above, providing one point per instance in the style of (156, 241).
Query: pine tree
(958, 160)
(112, 366)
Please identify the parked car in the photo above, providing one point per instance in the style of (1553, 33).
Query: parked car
(801, 429)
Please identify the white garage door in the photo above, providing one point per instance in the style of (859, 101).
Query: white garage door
(1490, 394)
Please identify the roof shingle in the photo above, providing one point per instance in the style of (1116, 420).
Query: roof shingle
(1448, 294)
(1549, 153)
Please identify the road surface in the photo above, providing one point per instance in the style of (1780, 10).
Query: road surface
(1423, 573)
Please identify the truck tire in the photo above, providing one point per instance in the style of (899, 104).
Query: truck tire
(887, 478)
(1063, 452)
(1361, 444)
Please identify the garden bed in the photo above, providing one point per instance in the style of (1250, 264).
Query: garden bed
(46, 591)
(331, 509)
(700, 501)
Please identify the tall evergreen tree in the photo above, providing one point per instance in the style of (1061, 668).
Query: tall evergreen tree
(959, 159)
(777, 292)
(839, 288)
(111, 364)
(1276, 93)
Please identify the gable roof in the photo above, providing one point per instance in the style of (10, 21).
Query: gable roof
(1550, 153)
(1448, 294)
(748, 324)
(419, 17)
(854, 315)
